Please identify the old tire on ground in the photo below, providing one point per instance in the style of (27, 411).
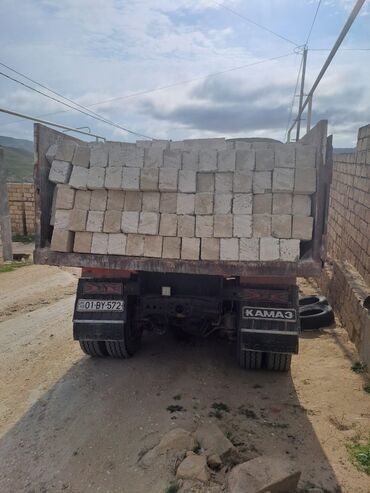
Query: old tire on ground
(95, 349)
(132, 333)
(250, 360)
(315, 317)
(278, 361)
(312, 300)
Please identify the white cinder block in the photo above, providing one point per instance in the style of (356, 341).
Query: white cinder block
(65, 150)
(135, 245)
(212, 144)
(176, 144)
(223, 203)
(168, 203)
(207, 160)
(148, 223)
(224, 182)
(61, 218)
(285, 156)
(131, 178)
(187, 181)
(149, 179)
(98, 201)
(210, 249)
(249, 249)
(262, 203)
(113, 177)
(242, 146)
(153, 246)
(117, 244)
(305, 180)
(245, 160)
(62, 240)
(262, 181)
(60, 172)
(242, 225)
(302, 227)
(133, 157)
(153, 157)
(82, 243)
(81, 156)
(116, 200)
(305, 156)
(243, 181)
(115, 155)
(95, 220)
(133, 201)
(51, 153)
(281, 226)
(204, 203)
(112, 222)
(82, 199)
(168, 180)
(99, 243)
(64, 197)
(185, 203)
(282, 203)
(98, 155)
(186, 226)
(301, 205)
(160, 144)
(190, 248)
(190, 160)
(95, 178)
(289, 250)
(229, 249)
(168, 225)
(172, 158)
(77, 220)
(171, 247)
(205, 182)
(78, 178)
(265, 159)
(223, 226)
(242, 203)
(226, 160)
(204, 226)
(151, 201)
(269, 249)
(261, 225)
(283, 180)
(130, 222)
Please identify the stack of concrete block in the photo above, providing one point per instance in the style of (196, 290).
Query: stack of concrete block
(207, 199)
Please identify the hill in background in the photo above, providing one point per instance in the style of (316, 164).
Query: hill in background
(18, 157)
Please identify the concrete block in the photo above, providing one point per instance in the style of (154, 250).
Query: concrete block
(245, 160)
(261, 225)
(131, 178)
(130, 222)
(99, 243)
(168, 203)
(160, 144)
(64, 197)
(226, 160)
(223, 226)
(151, 201)
(60, 172)
(249, 248)
(171, 247)
(243, 182)
(168, 179)
(242, 225)
(79, 177)
(207, 160)
(265, 159)
(65, 150)
(81, 156)
(205, 182)
(95, 221)
(190, 248)
(62, 240)
(305, 156)
(302, 227)
(239, 145)
(82, 199)
(116, 200)
(133, 157)
(51, 153)
(115, 154)
(113, 177)
(223, 203)
(262, 182)
(281, 226)
(149, 179)
(95, 178)
(117, 244)
(153, 246)
(168, 225)
(112, 222)
(262, 203)
(210, 249)
(82, 243)
(289, 250)
(187, 181)
(282, 203)
(133, 201)
(190, 160)
(198, 144)
(172, 159)
(229, 249)
(269, 249)
(204, 226)
(301, 205)
(186, 226)
(135, 245)
(203, 203)
(305, 180)
(185, 203)
(285, 156)
(148, 223)
(224, 182)
(242, 203)
(176, 144)
(283, 180)
(77, 220)
(98, 155)
(98, 200)
(153, 157)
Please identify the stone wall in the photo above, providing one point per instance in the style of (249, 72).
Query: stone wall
(21, 198)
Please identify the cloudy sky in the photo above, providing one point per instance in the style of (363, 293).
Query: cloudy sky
(182, 68)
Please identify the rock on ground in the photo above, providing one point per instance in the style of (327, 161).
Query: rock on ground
(210, 437)
(193, 467)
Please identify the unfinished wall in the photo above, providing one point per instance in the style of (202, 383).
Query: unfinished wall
(22, 208)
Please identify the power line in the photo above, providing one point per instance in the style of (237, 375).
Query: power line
(341, 49)
(247, 19)
(313, 22)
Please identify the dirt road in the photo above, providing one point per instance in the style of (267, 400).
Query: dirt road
(71, 423)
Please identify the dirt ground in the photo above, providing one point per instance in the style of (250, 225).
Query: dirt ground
(71, 423)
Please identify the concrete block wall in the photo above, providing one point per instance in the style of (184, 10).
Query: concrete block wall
(21, 197)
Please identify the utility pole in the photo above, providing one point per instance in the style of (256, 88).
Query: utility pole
(301, 93)
(6, 230)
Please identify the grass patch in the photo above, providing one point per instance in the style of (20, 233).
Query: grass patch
(10, 266)
(174, 408)
(360, 456)
(177, 397)
(366, 389)
(215, 414)
(359, 367)
(172, 488)
(248, 413)
(220, 406)
(23, 238)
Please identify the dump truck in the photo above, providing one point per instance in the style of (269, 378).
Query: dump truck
(199, 236)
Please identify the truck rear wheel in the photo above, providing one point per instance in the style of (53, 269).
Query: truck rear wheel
(131, 342)
(278, 361)
(95, 349)
(250, 360)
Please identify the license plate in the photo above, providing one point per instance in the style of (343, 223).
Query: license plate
(84, 305)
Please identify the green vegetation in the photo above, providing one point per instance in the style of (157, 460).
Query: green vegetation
(359, 367)
(172, 488)
(9, 267)
(360, 455)
(367, 388)
(177, 397)
(220, 406)
(18, 158)
(248, 413)
(23, 238)
(174, 408)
